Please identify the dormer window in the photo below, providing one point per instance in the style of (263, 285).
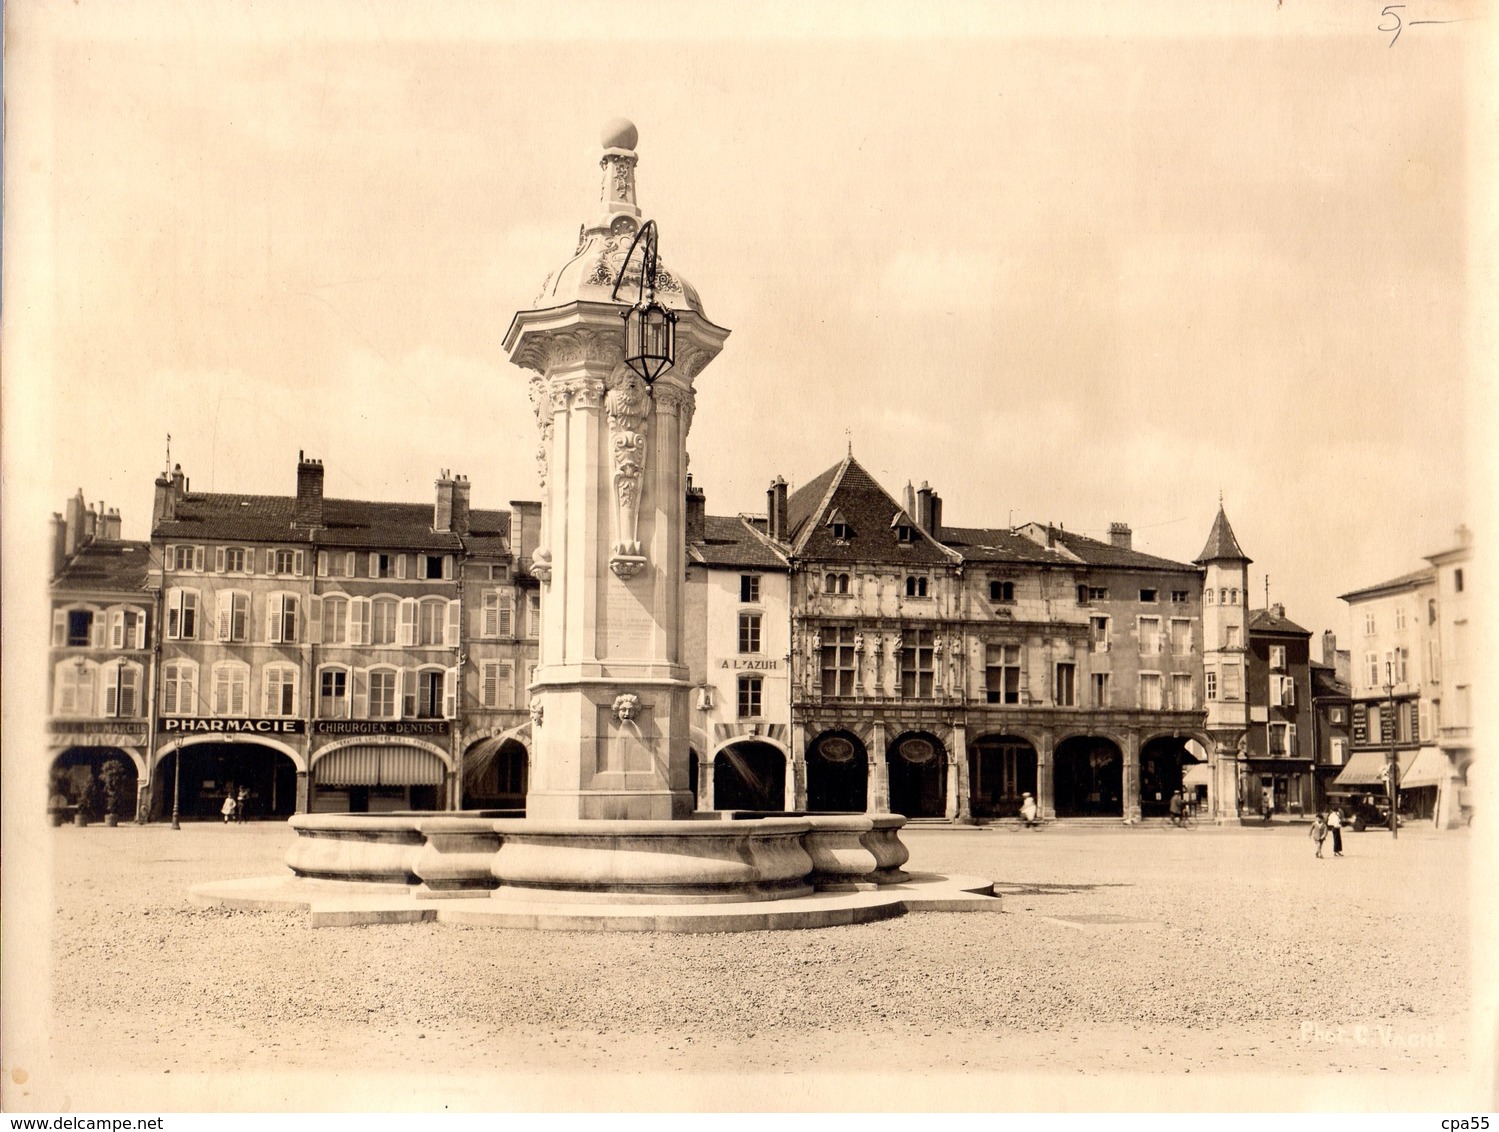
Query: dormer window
(841, 530)
(905, 533)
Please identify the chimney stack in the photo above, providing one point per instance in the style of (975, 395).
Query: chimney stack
(1121, 536)
(775, 509)
(90, 525)
(935, 530)
(697, 513)
(59, 543)
(164, 502)
(460, 505)
(74, 511)
(1278, 610)
(442, 513)
(525, 530)
(309, 508)
(1329, 648)
(109, 524)
(923, 514)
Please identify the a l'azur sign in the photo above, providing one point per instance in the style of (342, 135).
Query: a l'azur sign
(751, 664)
(232, 725)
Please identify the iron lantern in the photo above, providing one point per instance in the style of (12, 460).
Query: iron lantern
(650, 327)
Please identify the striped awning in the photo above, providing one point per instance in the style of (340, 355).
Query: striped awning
(1430, 768)
(1368, 768)
(371, 764)
(1196, 774)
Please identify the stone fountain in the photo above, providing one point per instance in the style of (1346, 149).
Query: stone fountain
(610, 837)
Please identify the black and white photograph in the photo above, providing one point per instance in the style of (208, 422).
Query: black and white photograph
(648, 557)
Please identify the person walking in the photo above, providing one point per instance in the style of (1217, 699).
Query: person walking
(241, 803)
(227, 809)
(1028, 810)
(1319, 832)
(1335, 827)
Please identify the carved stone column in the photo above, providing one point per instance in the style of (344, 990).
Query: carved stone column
(1045, 778)
(879, 773)
(798, 776)
(960, 805)
(1131, 799)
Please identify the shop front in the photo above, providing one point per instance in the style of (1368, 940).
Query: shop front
(1277, 788)
(368, 767)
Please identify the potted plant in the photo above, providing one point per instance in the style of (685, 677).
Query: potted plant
(57, 800)
(112, 783)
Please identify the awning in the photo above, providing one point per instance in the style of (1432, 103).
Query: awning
(376, 765)
(1367, 768)
(1430, 768)
(1196, 774)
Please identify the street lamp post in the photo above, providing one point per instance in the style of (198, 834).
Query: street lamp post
(1393, 770)
(176, 786)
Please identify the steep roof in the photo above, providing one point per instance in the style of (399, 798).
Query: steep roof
(1095, 553)
(106, 565)
(1405, 582)
(982, 544)
(1267, 621)
(346, 523)
(851, 494)
(731, 540)
(1221, 545)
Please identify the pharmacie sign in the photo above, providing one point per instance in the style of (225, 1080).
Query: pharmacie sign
(380, 727)
(199, 724)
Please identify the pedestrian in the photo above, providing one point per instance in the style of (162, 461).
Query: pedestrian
(1176, 808)
(1267, 803)
(241, 803)
(227, 809)
(1028, 810)
(1319, 832)
(1335, 827)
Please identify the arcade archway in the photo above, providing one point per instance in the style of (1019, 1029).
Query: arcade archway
(210, 771)
(1001, 769)
(837, 774)
(496, 774)
(918, 776)
(1088, 778)
(749, 775)
(76, 777)
(1162, 763)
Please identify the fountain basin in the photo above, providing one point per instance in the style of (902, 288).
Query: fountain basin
(610, 861)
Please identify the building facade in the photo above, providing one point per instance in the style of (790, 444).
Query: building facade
(100, 663)
(1454, 665)
(939, 671)
(1280, 754)
(1331, 717)
(326, 654)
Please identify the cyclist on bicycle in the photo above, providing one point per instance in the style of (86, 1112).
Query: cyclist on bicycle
(1178, 808)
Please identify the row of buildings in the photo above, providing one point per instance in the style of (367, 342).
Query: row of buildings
(850, 650)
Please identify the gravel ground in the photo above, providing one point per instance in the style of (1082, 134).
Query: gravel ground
(1217, 951)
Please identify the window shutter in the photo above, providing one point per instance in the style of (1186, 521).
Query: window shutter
(405, 694)
(268, 687)
(450, 632)
(170, 550)
(273, 619)
(359, 621)
(117, 629)
(111, 690)
(59, 628)
(489, 684)
(198, 559)
(374, 565)
(360, 679)
(239, 689)
(1291, 748)
(218, 560)
(96, 632)
(1416, 721)
(421, 566)
(447, 567)
(298, 563)
(408, 621)
(1291, 691)
(225, 614)
(507, 615)
(400, 565)
(314, 620)
(140, 630)
(322, 564)
(350, 564)
(450, 695)
(505, 679)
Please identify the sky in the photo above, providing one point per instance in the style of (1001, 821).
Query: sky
(1080, 266)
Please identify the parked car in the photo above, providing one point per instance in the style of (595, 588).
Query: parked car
(1367, 810)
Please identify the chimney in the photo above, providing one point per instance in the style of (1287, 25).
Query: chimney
(935, 530)
(309, 508)
(697, 513)
(442, 513)
(109, 524)
(59, 543)
(74, 512)
(525, 530)
(775, 509)
(460, 505)
(1121, 536)
(1278, 610)
(908, 500)
(90, 525)
(1329, 648)
(924, 506)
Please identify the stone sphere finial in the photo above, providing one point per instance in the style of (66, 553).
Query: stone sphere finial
(619, 133)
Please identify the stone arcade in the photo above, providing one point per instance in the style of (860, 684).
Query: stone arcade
(609, 838)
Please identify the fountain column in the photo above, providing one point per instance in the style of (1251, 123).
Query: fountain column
(610, 698)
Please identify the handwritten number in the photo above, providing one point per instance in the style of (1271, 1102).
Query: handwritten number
(1391, 10)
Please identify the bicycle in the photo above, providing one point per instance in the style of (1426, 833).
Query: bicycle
(1187, 819)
